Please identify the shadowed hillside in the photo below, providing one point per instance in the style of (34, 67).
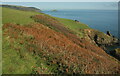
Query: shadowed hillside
(46, 45)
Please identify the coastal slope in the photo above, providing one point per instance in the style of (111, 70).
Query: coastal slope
(36, 43)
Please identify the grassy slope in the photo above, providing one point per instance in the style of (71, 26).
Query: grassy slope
(23, 17)
(74, 26)
(61, 24)
(11, 61)
(17, 16)
(11, 64)
(21, 8)
(23, 62)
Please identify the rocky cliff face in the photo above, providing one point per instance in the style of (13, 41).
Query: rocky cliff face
(99, 38)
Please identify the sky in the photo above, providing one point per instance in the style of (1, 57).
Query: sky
(68, 5)
(59, 0)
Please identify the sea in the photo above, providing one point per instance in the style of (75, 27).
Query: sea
(102, 20)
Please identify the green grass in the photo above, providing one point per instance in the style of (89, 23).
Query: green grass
(74, 26)
(17, 16)
(12, 63)
(23, 61)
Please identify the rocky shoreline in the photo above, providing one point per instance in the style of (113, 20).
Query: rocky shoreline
(104, 41)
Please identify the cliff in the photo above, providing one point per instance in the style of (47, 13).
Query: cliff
(100, 38)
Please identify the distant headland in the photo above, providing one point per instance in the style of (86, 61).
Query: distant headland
(54, 10)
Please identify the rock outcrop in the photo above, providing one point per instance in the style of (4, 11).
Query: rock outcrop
(100, 38)
(108, 33)
(76, 21)
(116, 53)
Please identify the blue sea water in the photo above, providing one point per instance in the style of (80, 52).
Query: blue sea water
(102, 20)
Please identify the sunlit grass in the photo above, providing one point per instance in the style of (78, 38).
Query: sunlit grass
(17, 16)
(74, 26)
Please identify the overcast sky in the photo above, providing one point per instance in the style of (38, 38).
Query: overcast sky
(59, 0)
(68, 5)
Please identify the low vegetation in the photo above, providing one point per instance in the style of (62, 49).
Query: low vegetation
(35, 43)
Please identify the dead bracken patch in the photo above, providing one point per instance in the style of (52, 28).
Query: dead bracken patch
(70, 53)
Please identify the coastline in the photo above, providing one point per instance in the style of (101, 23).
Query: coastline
(111, 45)
(102, 21)
(108, 47)
(47, 44)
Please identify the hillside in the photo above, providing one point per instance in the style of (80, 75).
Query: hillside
(20, 17)
(21, 8)
(36, 43)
